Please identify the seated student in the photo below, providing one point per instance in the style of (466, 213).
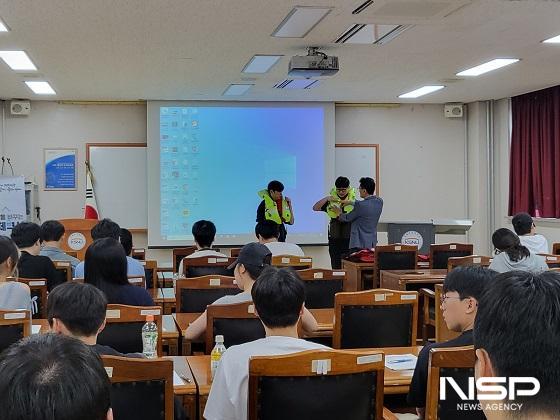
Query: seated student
(204, 232)
(106, 265)
(253, 259)
(52, 233)
(279, 296)
(511, 255)
(13, 295)
(52, 377)
(462, 289)
(517, 334)
(267, 233)
(31, 265)
(106, 228)
(525, 228)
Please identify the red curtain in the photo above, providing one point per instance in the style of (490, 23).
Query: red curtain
(534, 182)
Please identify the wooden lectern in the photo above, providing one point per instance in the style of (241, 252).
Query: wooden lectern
(78, 235)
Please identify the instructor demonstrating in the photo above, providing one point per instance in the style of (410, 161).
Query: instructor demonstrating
(364, 217)
(340, 197)
(275, 207)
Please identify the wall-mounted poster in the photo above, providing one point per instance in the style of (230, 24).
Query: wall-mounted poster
(12, 203)
(60, 169)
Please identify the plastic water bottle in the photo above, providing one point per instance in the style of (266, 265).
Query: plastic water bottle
(216, 354)
(149, 338)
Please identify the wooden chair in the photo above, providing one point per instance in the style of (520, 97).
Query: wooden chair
(321, 285)
(65, 269)
(292, 261)
(78, 280)
(433, 315)
(457, 363)
(478, 260)
(394, 257)
(204, 266)
(344, 385)
(38, 289)
(150, 273)
(123, 329)
(440, 253)
(137, 281)
(140, 389)
(556, 248)
(179, 254)
(138, 253)
(14, 325)
(237, 323)
(164, 277)
(553, 261)
(375, 318)
(195, 294)
(234, 252)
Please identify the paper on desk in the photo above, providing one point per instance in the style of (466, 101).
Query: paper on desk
(400, 361)
(35, 329)
(177, 379)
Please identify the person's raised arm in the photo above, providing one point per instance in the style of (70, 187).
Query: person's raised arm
(291, 221)
(196, 328)
(318, 206)
(348, 217)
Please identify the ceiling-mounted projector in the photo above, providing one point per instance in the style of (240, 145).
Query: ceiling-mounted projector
(314, 64)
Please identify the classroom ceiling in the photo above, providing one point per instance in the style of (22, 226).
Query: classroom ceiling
(187, 49)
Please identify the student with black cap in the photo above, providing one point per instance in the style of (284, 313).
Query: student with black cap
(525, 228)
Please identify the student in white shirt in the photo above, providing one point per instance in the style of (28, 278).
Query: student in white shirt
(253, 259)
(204, 232)
(267, 233)
(511, 255)
(278, 295)
(525, 228)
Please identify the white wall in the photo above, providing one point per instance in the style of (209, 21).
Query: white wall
(422, 156)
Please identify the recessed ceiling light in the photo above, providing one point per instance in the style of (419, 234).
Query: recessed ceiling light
(236, 89)
(40, 88)
(489, 66)
(3, 27)
(300, 21)
(297, 84)
(553, 40)
(17, 60)
(261, 63)
(371, 34)
(424, 90)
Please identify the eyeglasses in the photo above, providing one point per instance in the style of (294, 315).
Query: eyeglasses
(443, 298)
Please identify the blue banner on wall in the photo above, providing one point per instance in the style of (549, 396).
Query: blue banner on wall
(60, 169)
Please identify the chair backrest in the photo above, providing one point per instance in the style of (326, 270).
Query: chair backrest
(321, 285)
(237, 323)
(316, 384)
(140, 389)
(64, 269)
(375, 318)
(456, 363)
(556, 248)
(150, 273)
(14, 325)
(292, 261)
(478, 260)
(234, 252)
(553, 261)
(396, 257)
(442, 332)
(205, 266)
(179, 254)
(137, 281)
(123, 329)
(138, 253)
(38, 289)
(440, 253)
(195, 294)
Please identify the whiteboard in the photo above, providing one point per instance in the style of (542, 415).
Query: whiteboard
(355, 161)
(120, 183)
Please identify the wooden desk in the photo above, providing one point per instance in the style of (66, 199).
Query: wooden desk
(165, 297)
(185, 387)
(355, 274)
(42, 323)
(411, 279)
(182, 320)
(200, 368)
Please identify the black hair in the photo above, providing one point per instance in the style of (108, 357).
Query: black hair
(52, 230)
(517, 323)
(105, 267)
(275, 186)
(268, 229)
(8, 249)
(80, 307)
(278, 295)
(106, 228)
(126, 241)
(368, 184)
(25, 234)
(53, 377)
(342, 182)
(468, 281)
(505, 240)
(522, 223)
(204, 232)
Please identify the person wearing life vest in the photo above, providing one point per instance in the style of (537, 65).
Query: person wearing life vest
(276, 207)
(340, 197)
